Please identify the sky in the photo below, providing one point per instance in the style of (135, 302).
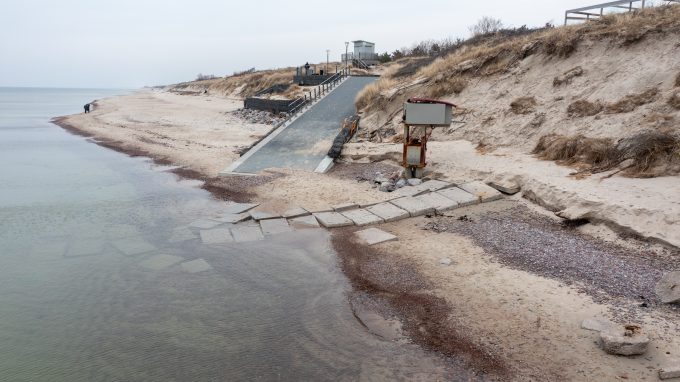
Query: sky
(135, 43)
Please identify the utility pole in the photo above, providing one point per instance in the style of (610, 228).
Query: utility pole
(346, 58)
(328, 53)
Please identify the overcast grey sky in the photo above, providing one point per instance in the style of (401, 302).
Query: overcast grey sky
(133, 43)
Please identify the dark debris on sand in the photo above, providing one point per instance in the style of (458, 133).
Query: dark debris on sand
(524, 240)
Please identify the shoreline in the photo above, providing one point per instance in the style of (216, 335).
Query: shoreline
(443, 309)
(214, 185)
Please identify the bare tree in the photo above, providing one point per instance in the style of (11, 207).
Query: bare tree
(486, 25)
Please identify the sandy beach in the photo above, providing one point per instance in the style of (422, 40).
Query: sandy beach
(513, 321)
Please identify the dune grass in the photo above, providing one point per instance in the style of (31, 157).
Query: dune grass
(674, 101)
(524, 105)
(645, 154)
(498, 56)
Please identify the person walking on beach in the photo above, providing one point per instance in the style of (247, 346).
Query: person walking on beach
(87, 108)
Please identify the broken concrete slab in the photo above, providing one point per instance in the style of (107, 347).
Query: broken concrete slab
(118, 231)
(482, 191)
(274, 226)
(181, 234)
(237, 208)
(133, 246)
(263, 215)
(160, 262)
(85, 247)
(196, 266)
(216, 236)
(374, 236)
(54, 250)
(669, 372)
(204, 224)
(413, 206)
(504, 184)
(370, 204)
(430, 185)
(345, 207)
(624, 341)
(232, 218)
(317, 208)
(463, 198)
(332, 219)
(437, 201)
(668, 288)
(596, 325)
(433, 185)
(247, 233)
(303, 222)
(407, 191)
(362, 217)
(388, 212)
(295, 212)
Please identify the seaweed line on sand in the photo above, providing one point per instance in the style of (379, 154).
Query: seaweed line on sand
(427, 319)
(228, 189)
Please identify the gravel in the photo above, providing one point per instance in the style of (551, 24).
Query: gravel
(525, 240)
(362, 172)
(257, 116)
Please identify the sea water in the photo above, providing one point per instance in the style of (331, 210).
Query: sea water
(95, 286)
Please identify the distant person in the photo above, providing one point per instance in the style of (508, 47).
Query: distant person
(87, 108)
(307, 69)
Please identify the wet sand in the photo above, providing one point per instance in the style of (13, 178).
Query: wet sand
(504, 322)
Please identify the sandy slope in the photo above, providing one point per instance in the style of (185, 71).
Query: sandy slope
(609, 74)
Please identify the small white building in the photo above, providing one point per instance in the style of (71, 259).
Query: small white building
(363, 51)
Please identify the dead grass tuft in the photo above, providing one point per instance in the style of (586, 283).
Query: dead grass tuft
(632, 101)
(563, 42)
(374, 95)
(651, 153)
(660, 120)
(677, 81)
(583, 108)
(443, 86)
(524, 105)
(674, 101)
(646, 154)
(568, 76)
(410, 66)
(576, 150)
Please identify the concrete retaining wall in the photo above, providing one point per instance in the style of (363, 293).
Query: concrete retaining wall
(311, 80)
(271, 105)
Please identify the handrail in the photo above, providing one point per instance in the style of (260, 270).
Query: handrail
(583, 14)
(318, 92)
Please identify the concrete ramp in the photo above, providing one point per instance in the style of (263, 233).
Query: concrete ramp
(304, 142)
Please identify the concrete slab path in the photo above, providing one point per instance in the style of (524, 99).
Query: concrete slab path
(302, 144)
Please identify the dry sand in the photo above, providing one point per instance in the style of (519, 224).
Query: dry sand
(195, 131)
(531, 322)
(528, 321)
